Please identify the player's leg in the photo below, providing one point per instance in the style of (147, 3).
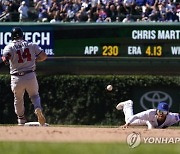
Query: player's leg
(127, 107)
(32, 89)
(18, 90)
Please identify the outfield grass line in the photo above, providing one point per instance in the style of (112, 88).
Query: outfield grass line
(85, 148)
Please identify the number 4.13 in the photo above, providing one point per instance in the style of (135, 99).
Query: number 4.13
(154, 51)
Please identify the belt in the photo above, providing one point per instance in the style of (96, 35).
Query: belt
(22, 73)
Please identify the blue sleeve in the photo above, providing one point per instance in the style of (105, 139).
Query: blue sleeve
(175, 118)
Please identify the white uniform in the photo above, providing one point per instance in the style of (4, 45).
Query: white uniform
(148, 118)
(22, 57)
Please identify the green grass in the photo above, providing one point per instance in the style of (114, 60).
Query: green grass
(85, 148)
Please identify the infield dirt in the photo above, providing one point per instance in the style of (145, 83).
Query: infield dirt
(79, 134)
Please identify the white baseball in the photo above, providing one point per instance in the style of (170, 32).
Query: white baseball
(109, 87)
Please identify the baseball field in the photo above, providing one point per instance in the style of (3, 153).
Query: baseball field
(86, 140)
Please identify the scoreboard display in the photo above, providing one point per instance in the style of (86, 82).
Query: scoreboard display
(136, 51)
(103, 48)
(119, 40)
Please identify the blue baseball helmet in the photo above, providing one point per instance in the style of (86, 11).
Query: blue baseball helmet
(162, 106)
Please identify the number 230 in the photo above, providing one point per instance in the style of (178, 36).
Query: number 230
(110, 50)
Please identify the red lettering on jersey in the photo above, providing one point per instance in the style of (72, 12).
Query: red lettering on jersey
(20, 60)
(25, 55)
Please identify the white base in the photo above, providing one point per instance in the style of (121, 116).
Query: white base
(34, 124)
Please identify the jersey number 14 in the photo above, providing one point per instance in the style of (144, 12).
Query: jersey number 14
(24, 55)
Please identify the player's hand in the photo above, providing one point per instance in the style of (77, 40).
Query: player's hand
(125, 126)
(4, 60)
(1, 62)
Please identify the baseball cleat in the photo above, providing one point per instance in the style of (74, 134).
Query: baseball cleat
(21, 121)
(40, 116)
(121, 105)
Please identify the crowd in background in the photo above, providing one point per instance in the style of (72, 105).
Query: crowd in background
(90, 10)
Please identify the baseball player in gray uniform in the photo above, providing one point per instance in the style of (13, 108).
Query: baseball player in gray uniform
(22, 57)
(153, 118)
